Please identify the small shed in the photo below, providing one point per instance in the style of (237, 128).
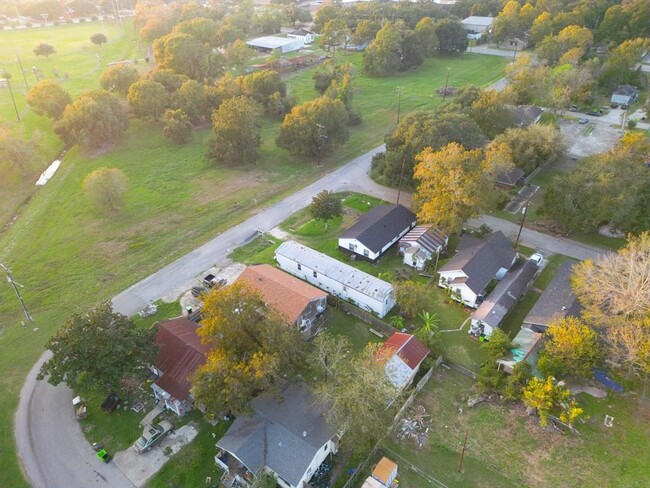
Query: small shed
(371, 482)
(385, 472)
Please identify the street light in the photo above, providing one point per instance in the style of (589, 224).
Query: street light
(444, 95)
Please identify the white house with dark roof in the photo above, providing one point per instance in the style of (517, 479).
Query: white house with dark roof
(502, 299)
(377, 230)
(475, 265)
(287, 436)
(339, 279)
(420, 244)
(556, 302)
(307, 37)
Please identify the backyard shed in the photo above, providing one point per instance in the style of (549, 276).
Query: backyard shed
(385, 472)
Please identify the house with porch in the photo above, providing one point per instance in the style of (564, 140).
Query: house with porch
(625, 95)
(376, 231)
(287, 436)
(404, 355)
(476, 264)
(341, 280)
(420, 244)
(300, 303)
(180, 354)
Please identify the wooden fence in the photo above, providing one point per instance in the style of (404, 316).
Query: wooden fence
(374, 321)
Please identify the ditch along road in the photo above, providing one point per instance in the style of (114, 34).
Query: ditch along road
(51, 445)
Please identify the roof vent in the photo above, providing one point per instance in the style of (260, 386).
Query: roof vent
(304, 433)
(280, 443)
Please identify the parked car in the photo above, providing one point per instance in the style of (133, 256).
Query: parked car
(614, 105)
(583, 121)
(625, 106)
(152, 435)
(573, 108)
(593, 113)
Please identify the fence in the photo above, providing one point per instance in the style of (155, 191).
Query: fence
(376, 323)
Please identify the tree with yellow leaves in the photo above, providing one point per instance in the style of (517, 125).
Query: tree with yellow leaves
(455, 184)
(572, 349)
(615, 294)
(251, 349)
(549, 398)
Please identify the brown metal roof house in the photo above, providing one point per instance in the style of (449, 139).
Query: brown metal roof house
(300, 303)
(181, 353)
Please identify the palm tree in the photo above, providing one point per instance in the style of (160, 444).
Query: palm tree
(430, 326)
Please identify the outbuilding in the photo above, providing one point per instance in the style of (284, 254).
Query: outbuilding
(270, 44)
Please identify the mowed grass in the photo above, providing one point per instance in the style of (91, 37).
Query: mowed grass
(511, 449)
(71, 256)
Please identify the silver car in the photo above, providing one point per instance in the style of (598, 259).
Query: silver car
(152, 435)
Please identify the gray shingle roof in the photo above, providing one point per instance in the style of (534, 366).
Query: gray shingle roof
(379, 226)
(283, 434)
(627, 90)
(428, 238)
(511, 177)
(481, 261)
(557, 301)
(505, 294)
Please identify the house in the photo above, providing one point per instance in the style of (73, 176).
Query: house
(420, 244)
(556, 302)
(475, 265)
(270, 44)
(339, 279)
(525, 115)
(307, 37)
(511, 178)
(625, 95)
(288, 436)
(404, 355)
(299, 302)
(377, 230)
(503, 298)
(476, 26)
(385, 472)
(180, 354)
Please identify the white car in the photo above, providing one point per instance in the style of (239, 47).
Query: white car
(152, 435)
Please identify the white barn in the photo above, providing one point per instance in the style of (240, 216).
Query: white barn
(339, 279)
(272, 43)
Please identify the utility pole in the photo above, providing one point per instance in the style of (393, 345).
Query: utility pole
(515, 54)
(321, 136)
(20, 298)
(462, 454)
(399, 102)
(22, 71)
(11, 93)
(521, 225)
(399, 186)
(444, 95)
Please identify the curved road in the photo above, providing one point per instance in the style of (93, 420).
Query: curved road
(51, 445)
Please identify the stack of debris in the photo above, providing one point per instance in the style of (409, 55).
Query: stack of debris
(414, 425)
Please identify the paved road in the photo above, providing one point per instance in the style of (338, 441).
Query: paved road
(505, 53)
(51, 445)
(173, 279)
(540, 241)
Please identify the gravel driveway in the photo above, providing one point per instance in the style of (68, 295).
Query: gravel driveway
(596, 137)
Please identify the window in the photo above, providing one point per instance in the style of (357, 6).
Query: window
(299, 266)
(352, 247)
(315, 274)
(366, 253)
(325, 448)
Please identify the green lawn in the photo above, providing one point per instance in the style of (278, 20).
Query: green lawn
(357, 331)
(70, 256)
(508, 448)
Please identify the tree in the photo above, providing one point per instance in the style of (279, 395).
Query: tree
(534, 146)
(44, 50)
(181, 53)
(227, 34)
(148, 99)
(325, 206)
(384, 54)
(192, 100)
(94, 118)
(178, 127)
(251, 349)
(411, 297)
(615, 294)
(119, 78)
(498, 345)
(200, 28)
(549, 398)
(427, 40)
(452, 38)
(552, 48)
(356, 391)
(527, 80)
(335, 32)
(453, 186)
(328, 72)
(20, 156)
(522, 372)
(99, 350)
(572, 349)
(365, 32)
(267, 88)
(237, 131)
(171, 80)
(238, 54)
(98, 39)
(47, 97)
(490, 113)
(106, 187)
(313, 128)
(429, 332)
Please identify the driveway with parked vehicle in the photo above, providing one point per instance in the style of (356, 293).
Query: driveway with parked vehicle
(591, 134)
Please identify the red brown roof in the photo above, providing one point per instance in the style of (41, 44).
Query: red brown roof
(407, 347)
(181, 353)
(281, 291)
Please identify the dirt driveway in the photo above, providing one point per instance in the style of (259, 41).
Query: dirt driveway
(597, 136)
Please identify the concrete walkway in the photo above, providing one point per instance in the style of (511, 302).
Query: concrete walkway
(540, 241)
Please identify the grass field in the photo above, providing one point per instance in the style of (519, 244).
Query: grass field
(70, 256)
(508, 448)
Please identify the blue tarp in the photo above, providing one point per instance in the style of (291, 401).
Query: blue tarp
(612, 385)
